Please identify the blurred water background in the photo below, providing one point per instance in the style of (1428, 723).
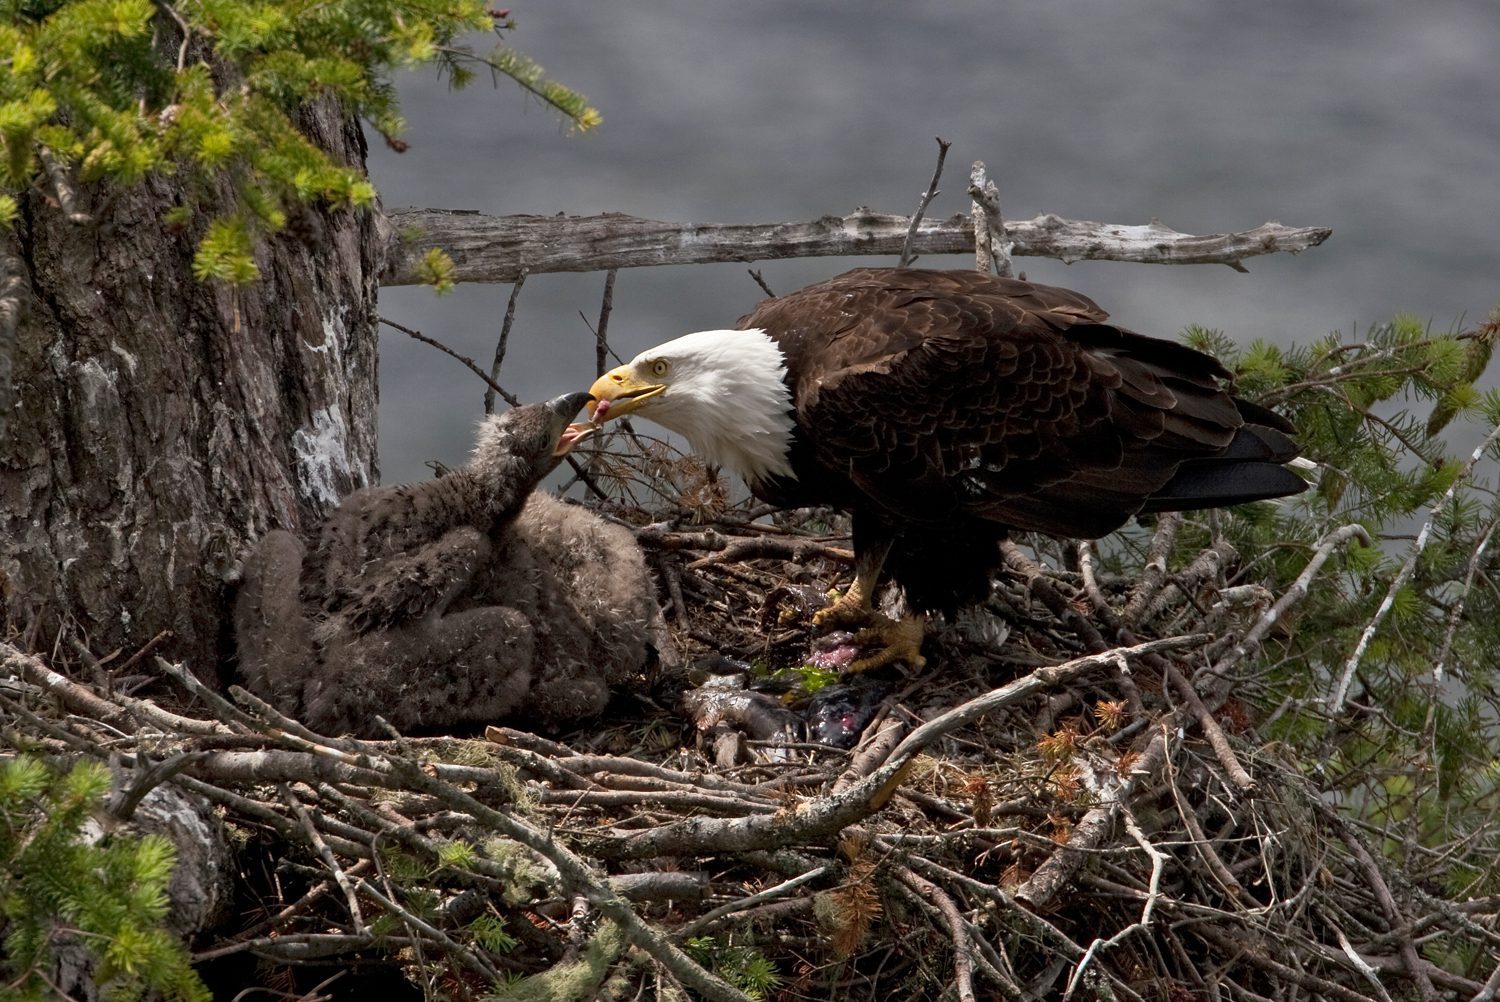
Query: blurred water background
(1380, 120)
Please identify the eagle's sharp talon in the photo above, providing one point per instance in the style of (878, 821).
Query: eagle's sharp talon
(848, 612)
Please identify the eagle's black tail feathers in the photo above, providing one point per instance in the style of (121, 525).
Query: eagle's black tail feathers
(1250, 469)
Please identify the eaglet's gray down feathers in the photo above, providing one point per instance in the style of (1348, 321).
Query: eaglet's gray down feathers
(458, 600)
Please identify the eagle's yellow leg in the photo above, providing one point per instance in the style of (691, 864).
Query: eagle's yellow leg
(855, 607)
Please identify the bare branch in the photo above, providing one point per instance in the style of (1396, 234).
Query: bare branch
(468, 956)
(1330, 542)
(1212, 731)
(313, 894)
(494, 387)
(1085, 551)
(149, 775)
(498, 248)
(1154, 573)
(907, 254)
(500, 345)
(760, 281)
(1153, 895)
(963, 947)
(326, 855)
(785, 887)
(1409, 956)
(184, 27)
(468, 362)
(601, 347)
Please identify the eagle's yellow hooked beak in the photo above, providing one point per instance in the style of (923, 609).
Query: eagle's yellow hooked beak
(618, 392)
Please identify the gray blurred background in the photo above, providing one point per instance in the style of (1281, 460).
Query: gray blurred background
(1379, 120)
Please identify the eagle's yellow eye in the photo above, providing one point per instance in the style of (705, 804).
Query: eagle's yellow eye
(660, 367)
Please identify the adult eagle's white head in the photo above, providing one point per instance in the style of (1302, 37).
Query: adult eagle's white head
(724, 391)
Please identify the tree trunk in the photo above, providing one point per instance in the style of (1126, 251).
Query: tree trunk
(162, 422)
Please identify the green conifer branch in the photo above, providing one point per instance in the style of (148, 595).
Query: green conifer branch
(86, 82)
(1371, 411)
(59, 890)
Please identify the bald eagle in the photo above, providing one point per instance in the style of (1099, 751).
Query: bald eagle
(943, 409)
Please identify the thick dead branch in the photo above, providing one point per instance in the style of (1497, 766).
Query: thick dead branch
(1213, 732)
(500, 248)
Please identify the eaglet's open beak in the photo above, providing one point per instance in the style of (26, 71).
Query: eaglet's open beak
(565, 407)
(618, 392)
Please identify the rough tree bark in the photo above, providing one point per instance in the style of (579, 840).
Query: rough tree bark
(161, 422)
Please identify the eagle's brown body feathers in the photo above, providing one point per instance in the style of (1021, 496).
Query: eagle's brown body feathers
(944, 407)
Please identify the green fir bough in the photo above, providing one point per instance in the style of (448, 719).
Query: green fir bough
(114, 90)
(1382, 684)
(60, 890)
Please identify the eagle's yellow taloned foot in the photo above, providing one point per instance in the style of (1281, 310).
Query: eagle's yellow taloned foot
(899, 640)
(894, 640)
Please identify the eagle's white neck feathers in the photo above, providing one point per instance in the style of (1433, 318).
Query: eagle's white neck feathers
(726, 394)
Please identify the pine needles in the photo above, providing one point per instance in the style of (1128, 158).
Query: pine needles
(63, 889)
(87, 99)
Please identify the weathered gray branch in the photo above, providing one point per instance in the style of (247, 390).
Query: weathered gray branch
(992, 250)
(907, 254)
(500, 248)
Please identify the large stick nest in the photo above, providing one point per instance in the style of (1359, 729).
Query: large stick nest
(1084, 807)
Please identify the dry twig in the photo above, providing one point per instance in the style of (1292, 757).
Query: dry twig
(907, 254)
